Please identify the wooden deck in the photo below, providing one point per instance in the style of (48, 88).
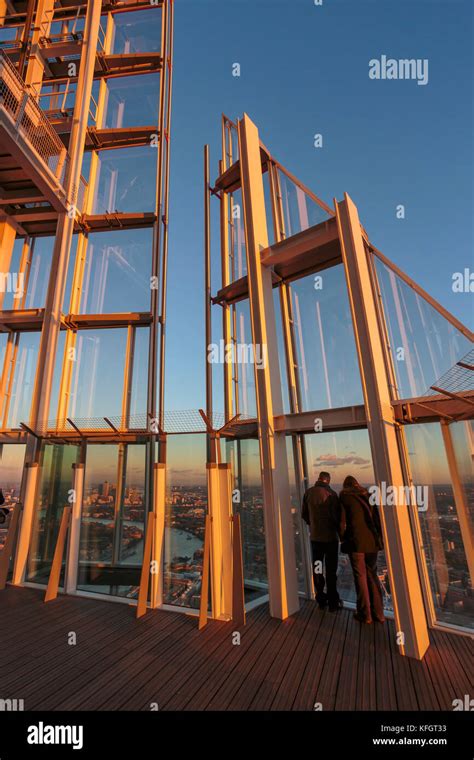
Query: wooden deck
(119, 663)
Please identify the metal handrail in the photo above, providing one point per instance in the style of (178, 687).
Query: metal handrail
(30, 120)
(28, 116)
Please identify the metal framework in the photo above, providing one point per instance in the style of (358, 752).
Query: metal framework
(56, 65)
(250, 270)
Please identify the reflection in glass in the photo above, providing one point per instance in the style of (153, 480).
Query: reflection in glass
(137, 31)
(298, 526)
(131, 101)
(12, 458)
(24, 347)
(113, 519)
(186, 508)
(451, 585)
(327, 369)
(245, 459)
(237, 250)
(244, 367)
(56, 479)
(97, 377)
(117, 272)
(126, 180)
(424, 344)
(35, 282)
(300, 211)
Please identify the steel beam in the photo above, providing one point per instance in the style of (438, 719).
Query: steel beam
(410, 617)
(280, 545)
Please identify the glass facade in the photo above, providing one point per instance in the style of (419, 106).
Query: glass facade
(186, 509)
(342, 454)
(445, 553)
(113, 520)
(424, 345)
(244, 457)
(117, 272)
(327, 366)
(54, 493)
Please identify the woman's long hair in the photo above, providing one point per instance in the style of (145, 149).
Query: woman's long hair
(351, 482)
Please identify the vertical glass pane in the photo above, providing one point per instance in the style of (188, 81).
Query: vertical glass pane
(24, 359)
(296, 517)
(138, 400)
(245, 459)
(137, 32)
(281, 351)
(424, 344)
(300, 211)
(462, 434)
(237, 250)
(328, 369)
(56, 479)
(342, 454)
(113, 520)
(448, 571)
(186, 508)
(117, 272)
(131, 101)
(39, 273)
(12, 457)
(244, 366)
(97, 378)
(126, 181)
(34, 282)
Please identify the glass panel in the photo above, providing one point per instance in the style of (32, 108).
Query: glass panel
(97, 378)
(138, 401)
(445, 554)
(25, 355)
(462, 434)
(126, 181)
(137, 32)
(424, 344)
(117, 272)
(113, 520)
(237, 250)
(244, 368)
(131, 101)
(56, 480)
(296, 515)
(186, 508)
(12, 458)
(245, 459)
(36, 282)
(300, 211)
(341, 454)
(281, 350)
(328, 369)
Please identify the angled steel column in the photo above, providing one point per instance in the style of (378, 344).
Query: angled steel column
(279, 538)
(400, 552)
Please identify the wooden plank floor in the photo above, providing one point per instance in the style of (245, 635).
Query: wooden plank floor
(84, 654)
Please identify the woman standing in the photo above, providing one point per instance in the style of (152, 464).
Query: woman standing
(362, 539)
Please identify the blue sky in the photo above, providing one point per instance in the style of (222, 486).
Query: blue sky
(304, 70)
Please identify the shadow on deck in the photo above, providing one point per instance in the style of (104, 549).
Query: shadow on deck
(119, 663)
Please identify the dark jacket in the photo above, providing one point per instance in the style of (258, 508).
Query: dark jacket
(360, 525)
(322, 512)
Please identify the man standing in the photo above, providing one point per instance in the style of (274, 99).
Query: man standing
(322, 512)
